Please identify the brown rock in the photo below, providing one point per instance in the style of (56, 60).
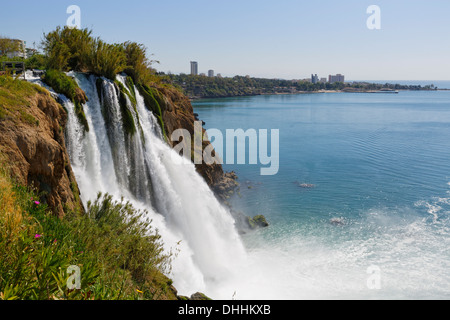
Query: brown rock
(80, 95)
(36, 152)
(178, 113)
(198, 296)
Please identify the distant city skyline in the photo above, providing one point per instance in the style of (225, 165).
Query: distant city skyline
(314, 77)
(286, 39)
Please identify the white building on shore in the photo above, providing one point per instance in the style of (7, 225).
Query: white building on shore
(336, 78)
(20, 47)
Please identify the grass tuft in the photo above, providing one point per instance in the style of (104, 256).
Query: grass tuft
(14, 103)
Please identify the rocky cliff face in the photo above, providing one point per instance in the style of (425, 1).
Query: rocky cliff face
(32, 141)
(178, 113)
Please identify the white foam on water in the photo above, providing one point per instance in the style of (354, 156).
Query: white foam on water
(321, 261)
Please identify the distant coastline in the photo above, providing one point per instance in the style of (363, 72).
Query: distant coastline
(202, 87)
(196, 98)
(302, 92)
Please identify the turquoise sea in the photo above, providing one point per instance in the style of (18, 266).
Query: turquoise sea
(360, 206)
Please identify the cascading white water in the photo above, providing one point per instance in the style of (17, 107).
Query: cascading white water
(189, 205)
(90, 153)
(146, 171)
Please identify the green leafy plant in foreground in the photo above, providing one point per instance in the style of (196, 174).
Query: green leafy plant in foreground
(119, 255)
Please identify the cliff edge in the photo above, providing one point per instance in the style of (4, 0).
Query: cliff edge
(32, 141)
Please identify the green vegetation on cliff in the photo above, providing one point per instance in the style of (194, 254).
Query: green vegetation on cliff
(64, 84)
(127, 118)
(119, 255)
(74, 49)
(69, 49)
(153, 101)
(13, 99)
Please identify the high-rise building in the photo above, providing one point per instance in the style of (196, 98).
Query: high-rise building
(194, 68)
(211, 73)
(336, 78)
(314, 78)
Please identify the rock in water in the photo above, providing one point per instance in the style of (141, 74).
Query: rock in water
(305, 185)
(258, 222)
(337, 221)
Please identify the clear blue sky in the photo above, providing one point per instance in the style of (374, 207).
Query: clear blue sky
(278, 39)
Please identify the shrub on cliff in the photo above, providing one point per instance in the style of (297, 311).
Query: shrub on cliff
(67, 86)
(61, 83)
(105, 59)
(36, 61)
(119, 254)
(138, 64)
(67, 48)
(73, 49)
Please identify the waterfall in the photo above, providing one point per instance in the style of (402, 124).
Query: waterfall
(147, 172)
(90, 152)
